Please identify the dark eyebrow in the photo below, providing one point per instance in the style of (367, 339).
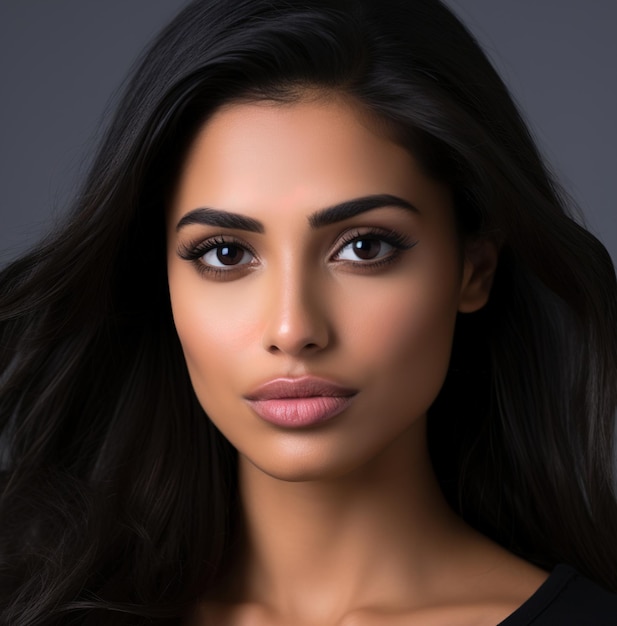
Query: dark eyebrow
(324, 217)
(351, 208)
(224, 219)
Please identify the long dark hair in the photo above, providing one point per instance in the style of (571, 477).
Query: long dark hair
(119, 496)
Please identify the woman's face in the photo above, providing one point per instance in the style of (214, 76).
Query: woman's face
(315, 277)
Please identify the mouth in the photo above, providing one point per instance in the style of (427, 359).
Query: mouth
(300, 402)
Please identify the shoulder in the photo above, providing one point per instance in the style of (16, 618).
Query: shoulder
(568, 599)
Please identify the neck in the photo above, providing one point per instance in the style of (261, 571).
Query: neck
(349, 540)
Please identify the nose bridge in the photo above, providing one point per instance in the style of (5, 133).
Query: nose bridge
(296, 315)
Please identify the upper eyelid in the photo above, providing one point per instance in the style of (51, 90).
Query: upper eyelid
(388, 235)
(354, 233)
(196, 248)
(201, 246)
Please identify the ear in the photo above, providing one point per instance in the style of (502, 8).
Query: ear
(479, 265)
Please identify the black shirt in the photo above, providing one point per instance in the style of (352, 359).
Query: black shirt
(566, 599)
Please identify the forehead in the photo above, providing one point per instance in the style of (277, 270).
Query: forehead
(266, 157)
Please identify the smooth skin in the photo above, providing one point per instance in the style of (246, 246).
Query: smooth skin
(343, 522)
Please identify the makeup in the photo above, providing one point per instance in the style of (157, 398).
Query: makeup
(299, 402)
(297, 274)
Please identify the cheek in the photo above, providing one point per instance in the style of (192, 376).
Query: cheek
(405, 331)
(214, 326)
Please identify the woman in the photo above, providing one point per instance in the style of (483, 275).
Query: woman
(318, 344)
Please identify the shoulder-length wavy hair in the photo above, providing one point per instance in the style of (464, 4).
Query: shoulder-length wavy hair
(118, 494)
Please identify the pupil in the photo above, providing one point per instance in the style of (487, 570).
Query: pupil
(367, 248)
(229, 255)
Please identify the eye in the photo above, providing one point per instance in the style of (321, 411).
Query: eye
(365, 248)
(226, 255)
(218, 257)
(372, 248)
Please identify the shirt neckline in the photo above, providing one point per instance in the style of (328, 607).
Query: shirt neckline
(542, 597)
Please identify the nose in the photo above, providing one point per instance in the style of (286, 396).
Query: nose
(296, 321)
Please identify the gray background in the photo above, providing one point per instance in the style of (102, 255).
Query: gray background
(61, 61)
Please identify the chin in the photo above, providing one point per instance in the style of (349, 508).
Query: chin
(324, 457)
(305, 472)
(297, 464)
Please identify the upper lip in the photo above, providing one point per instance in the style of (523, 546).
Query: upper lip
(305, 387)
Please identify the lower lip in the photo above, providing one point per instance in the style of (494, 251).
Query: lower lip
(299, 412)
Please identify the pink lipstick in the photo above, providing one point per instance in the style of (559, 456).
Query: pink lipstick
(299, 402)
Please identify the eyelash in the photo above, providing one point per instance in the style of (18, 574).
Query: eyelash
(399, 243)
(194, 252)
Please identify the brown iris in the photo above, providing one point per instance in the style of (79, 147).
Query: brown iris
(229, 254)
(367, 248)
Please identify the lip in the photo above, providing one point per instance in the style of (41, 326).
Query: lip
(299, 402)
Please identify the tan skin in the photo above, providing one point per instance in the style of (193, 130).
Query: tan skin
(344, 522)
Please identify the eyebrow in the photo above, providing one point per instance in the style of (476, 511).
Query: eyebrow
(323, 217)
(224, 219)
(351, 208)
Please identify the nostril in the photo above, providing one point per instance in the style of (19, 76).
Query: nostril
(307, 347)
(296, 332)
